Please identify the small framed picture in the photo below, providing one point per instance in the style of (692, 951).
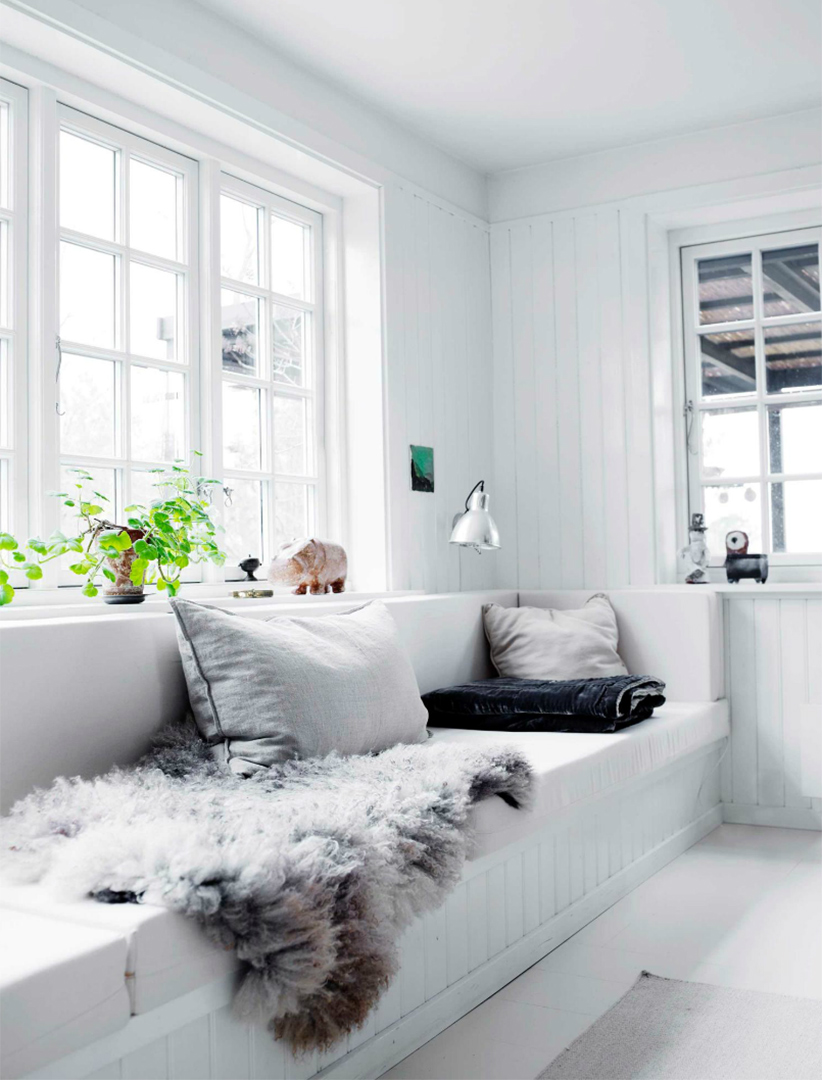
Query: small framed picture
(422, 468)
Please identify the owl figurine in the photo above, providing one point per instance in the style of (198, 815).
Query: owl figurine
(736, 542)
(740, 563)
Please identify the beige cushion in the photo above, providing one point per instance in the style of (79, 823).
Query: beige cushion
(545, 643)
(267, 691)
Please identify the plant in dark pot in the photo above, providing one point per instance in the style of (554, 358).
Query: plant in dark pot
(154, 546)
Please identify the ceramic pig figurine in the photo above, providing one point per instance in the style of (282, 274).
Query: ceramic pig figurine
(315, 566)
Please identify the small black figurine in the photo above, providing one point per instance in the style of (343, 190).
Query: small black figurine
(739, 564)
(250, 565)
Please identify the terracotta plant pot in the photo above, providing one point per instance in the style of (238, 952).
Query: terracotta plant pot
(121, 590)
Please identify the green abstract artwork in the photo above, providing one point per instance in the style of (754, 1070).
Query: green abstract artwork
(422, 468)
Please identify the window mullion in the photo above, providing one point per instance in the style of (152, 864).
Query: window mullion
(44, 315)
(210, 351)
(762, 414)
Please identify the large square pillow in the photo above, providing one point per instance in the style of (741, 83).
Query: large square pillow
(547, 643)
(264, 691)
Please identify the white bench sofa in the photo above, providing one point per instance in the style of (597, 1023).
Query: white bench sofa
(91, 990)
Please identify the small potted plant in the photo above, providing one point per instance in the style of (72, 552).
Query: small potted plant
(155, 545)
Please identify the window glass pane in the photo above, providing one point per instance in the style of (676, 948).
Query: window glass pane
(795, 438)
(728, 363)
(790, 280)
(5, 299)
(145, 487)
(796, 516)
(288, 262)
(242, 442)
(153, 314)
(730, 443)
(5, 199)
(292, 512)
(88, 397)
(88, 185)
(239, 248)
(725, 289)
(793, 357)
(5, 496)
(290, 436)
(157, 414)
(244, 521)
(105, 482)
(153, 209)
(87, 291)
(288, 343)
(736, 506)
(240, 323)
(5, 394)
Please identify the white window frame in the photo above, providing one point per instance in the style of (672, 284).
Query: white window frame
(187, 360)
(14, 456)
(760, 399)
(49, 92)
(314, 392)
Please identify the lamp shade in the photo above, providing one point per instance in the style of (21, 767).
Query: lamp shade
(476, 528)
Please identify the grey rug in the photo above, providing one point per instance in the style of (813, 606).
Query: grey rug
(665, 1029)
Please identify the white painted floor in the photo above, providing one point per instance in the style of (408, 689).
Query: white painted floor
(741, 908)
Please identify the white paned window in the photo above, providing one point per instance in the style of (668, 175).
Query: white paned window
(271, 357)
(753, 349)
(128, 376)
(13, 177)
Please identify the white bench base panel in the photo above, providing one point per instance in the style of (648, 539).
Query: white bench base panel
(512, 908)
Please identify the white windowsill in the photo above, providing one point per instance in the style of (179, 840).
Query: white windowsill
(67, 603)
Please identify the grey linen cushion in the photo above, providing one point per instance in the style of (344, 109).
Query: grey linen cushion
(264, 691)
(548, 643)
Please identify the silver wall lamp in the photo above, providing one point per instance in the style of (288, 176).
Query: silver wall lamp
(475, 527)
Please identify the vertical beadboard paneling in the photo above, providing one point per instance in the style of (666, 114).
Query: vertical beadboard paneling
(436, 952)
(615, 469)
(589, 375)
(546, 493)
(741, 661)
(641, 522)
(569, 506)
(150, 1062)
(412, 973)
(774, 651)
(189, 1052)
(496, 910)
(522, 305)
(439, 386)
(769, 755)
(456, 915)
(477, 899)
(794, 673)
(504, 425)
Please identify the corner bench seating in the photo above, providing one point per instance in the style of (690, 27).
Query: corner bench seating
(610, 809)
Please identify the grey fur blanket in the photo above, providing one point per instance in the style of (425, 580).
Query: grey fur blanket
(309, 870)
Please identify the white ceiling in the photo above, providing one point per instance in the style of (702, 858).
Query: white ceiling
(506, 84)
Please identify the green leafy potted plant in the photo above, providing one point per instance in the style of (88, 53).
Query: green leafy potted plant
(155, 545)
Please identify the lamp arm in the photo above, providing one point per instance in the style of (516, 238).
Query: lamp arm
(481, 486)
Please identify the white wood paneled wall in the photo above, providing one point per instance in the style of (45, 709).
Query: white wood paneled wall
(572, 396)
(773, 655)
(439, 385)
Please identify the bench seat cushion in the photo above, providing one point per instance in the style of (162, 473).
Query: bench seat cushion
(61, 987)
(165, 955)
(572, 766)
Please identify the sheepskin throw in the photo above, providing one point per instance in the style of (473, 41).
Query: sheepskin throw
(310, 870)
